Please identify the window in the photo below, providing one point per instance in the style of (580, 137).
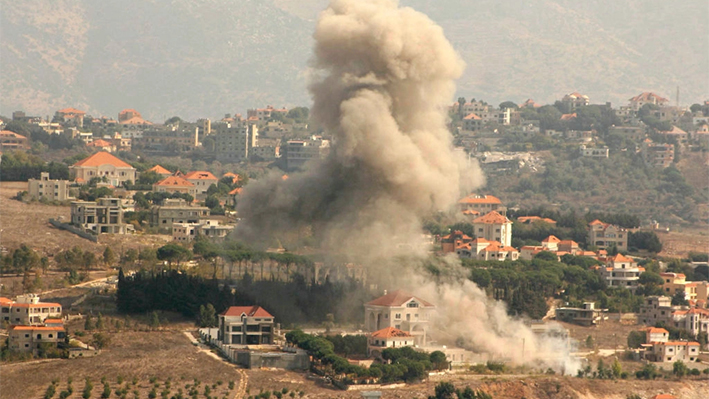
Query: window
(397, 316)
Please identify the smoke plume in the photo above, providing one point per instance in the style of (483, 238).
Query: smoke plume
(384, 79)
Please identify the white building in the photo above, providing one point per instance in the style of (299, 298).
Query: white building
(388, 337)
(50, 189)
(28, 310)
(399, 310)
(211, 229)
(246, 325)
(103, 165)
(493, 227)
(622, 271)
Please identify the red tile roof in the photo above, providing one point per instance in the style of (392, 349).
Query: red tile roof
(471, 212)
(174, 181)
(102, 158)
(251, 311)
(551, 239)
(99, 143)
(396, 298)
(472, 117)
(8, 133)
(533, 219)
(235, 191)
(390, 332)
(35, 328)
(656, 330)
(200, 175)
(136, 120)
(480, 199)
(664, 396)
(159, 170)
(568, 117)
(71, 111)
(491, 218)
(678, 343)
(647, 96)
(621, 258)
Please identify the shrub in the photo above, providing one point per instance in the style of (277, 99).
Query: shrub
(51, 390)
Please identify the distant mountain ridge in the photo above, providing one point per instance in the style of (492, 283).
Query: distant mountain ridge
(197, 58)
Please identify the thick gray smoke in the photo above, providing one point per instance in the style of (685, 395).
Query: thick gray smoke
(386, 76)
(385, 79)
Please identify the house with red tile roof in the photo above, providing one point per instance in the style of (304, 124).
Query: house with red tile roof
(127, 114)
(246, 325)
(472, 122)
(103, 165)
(70, 116)
(574, 100)
(12, 141)
(641, 99)
(482, 249)
(481, 204)
(201, 180)
(388, 337)
(175, 184)
(401, 311)
(36, 338)
(102, 145)
(493, 227)
(453, 240)
(28, 310)
(604, 235)
(672, 351)
(160, 170)
(622, 271)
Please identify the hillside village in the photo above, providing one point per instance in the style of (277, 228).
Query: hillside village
(147, 211)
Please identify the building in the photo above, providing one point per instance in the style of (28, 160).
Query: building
(635, 133)
(574, 100)
(656, 334)
(102, 145)
(170, 140)
(70, 117)
(482, 204)
(246, 325)
(12, 141)
(604, 235)
(128, 114)
(299, 152)
(593, 152)
(175, 210)
(482, 249)
(160, 170)
(472, 122)
(267, 150)
(493, 227)
(28, 310)
(622, 271)
(641, 99)
(693, 320)
(105, 215)
(402, 311)
(672, 351)
(691, 290)
(35, 338)
(264, 114)
(201, 180)
(587, 315)
(211, 229)
(46, 188)
(234, 143)
(455, 239)
(655, 309)
(535, 219)
(103, 165)
(657, 154)
(680, 136)
(388, 337)
(175, 184)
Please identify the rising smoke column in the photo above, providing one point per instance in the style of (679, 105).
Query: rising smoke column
(385, 77)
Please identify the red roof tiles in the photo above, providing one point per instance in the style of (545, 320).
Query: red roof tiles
(396, 298)
(250, 311)
(390, 332)
(491, 218)
(102, 158)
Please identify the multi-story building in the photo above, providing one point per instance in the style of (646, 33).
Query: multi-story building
(493, 227)
(103, 165)
(246, 325)
(655, 309)
(46, 188)
(482, 204)
(635, 133)
(672, 351)
(622, 271)
(234, 143)
(211, 229)
(679, 135)
(264, 114)
(388, 337)
(28, 310)
(604, 235)
(267, 150)
(299, 152)
(574, 100)
(641, 99)
(175, 184)
(34, 338)
(587, 315)
(201, 180)
(656, 334)
(70, 117)
(12, 141)
(175, 211)
(657, 154)
(454, 240)
(482, 249)
(472, 122)
(172, 140)
(593, 152)
(402, 311)
(104, 215)
(694, 320)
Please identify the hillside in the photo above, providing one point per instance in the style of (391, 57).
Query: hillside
(208, 57)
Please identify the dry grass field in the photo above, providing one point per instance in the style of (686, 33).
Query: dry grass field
(143, 355)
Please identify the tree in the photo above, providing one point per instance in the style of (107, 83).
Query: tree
(589, 342)
(88, 323)
(100, 340)
(438, 360)
(680, 369)
(445, 390)
(678, 299)
(154, 320)
(88, 259)
(173, 253)
(173, 120)
(635, 339)
(207, 316)
(616, 368)
(461, 104)
(108, 256)
(508, 104)
(99, 322)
